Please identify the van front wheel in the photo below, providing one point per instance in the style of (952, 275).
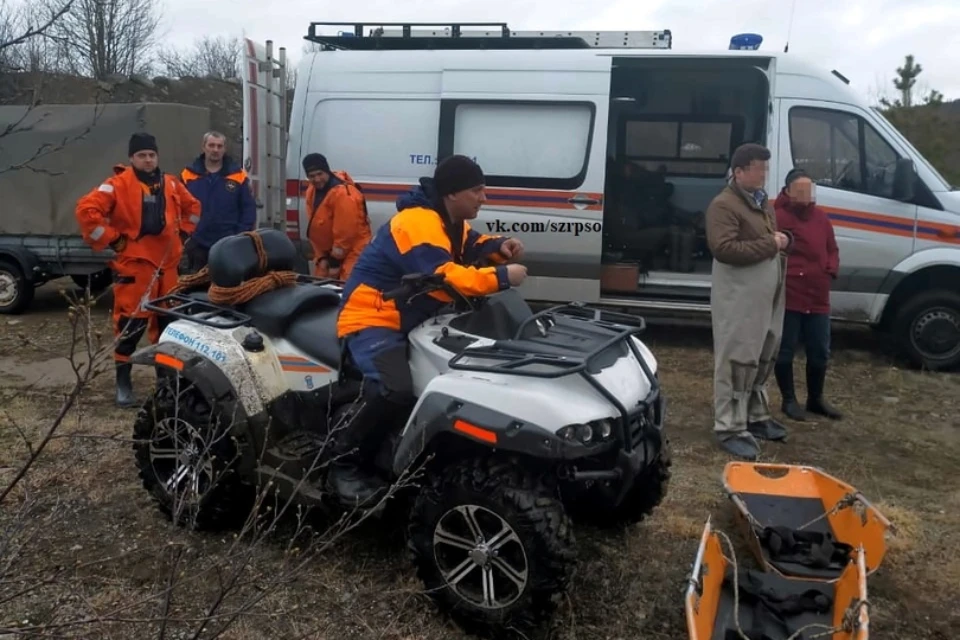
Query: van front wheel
(928, 330)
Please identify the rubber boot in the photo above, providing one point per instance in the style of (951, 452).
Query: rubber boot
(790, 407)
(816, 377)
(740, 445)
(350, 477)
(125, 397)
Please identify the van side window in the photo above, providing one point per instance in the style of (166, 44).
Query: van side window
(523, 144)
(842, 150)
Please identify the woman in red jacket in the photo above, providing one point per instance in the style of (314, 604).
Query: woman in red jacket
(812, 263)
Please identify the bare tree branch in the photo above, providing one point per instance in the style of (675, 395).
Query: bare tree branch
(210, 57)
(195, 593)
(30, 30)
(105, 37)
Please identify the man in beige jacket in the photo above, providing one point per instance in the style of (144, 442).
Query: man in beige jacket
(747, 303)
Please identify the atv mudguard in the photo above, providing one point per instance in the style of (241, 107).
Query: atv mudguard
(211, 381)
(437, 413)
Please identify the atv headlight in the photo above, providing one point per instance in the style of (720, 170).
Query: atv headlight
(594, 432)
(604, 429)
(582, 433)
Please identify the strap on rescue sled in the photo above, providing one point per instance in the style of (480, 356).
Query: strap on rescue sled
(807, 548)
(772, 608)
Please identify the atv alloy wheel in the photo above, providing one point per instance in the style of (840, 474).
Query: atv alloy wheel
(185, 458)
(492, 545)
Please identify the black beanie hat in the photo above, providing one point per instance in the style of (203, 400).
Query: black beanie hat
(141, 142)
(315, 162)
(794, 174)
(457, 173)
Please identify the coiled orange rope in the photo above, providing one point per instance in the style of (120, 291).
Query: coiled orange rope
(245, 291)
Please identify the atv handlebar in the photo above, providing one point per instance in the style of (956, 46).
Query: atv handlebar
(417, 284)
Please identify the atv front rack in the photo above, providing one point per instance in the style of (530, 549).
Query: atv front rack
(519, 356)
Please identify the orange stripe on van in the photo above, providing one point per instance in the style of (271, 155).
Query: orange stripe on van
(557, 199)
(507, 197)
(893, 226)
(503, 196)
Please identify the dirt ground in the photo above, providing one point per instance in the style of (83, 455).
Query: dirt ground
(94, 541)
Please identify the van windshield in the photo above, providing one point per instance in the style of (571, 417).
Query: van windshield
(905, 142)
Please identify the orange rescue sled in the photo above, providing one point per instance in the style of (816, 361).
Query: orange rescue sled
(769, 605)
(802, 522)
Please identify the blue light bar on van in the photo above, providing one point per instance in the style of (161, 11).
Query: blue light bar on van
(748, 41)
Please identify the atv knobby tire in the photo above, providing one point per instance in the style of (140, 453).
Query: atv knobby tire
(593, 506)
(175, 411)
(494, 491)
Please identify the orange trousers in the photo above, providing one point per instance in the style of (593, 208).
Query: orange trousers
(136, 282)
(321, 268)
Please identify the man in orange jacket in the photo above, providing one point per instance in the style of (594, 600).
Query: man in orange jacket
(338, 227)
(142, 214)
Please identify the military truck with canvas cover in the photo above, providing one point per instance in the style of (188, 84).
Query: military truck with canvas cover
(50, 155)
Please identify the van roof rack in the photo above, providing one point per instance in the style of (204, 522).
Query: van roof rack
(496, 35)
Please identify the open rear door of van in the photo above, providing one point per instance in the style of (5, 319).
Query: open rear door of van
(539, 132)
(264, 78)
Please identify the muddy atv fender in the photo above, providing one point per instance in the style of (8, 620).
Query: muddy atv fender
(193, 445)
(494, 412)
(254, 372)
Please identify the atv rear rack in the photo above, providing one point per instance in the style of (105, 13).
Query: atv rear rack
(187, 306)
(513, 358)
(195, 307)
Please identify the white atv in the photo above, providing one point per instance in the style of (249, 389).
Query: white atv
(520, 419)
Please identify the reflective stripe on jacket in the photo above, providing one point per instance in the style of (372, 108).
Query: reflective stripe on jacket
(338, 223)
(226, 197)
(123, 205)
(416, 240)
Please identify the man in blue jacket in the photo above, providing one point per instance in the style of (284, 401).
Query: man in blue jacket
(223, 189)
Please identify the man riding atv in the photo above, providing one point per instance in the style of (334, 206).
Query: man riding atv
(429, 234)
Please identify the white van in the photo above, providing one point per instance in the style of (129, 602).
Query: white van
(557, 119)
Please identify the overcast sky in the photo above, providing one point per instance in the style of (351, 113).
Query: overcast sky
(866, 40)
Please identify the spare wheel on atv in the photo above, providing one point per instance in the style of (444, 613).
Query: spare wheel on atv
(185, 457)
(492, 544)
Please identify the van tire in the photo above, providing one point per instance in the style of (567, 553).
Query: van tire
(939, 312)
(19, 295)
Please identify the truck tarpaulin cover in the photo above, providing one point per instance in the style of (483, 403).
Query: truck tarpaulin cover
(93, 139)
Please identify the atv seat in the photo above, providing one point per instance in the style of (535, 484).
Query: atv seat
(275, 311)
(315, 334)
(233, 259)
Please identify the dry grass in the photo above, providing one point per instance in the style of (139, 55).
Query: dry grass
(900, 445)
